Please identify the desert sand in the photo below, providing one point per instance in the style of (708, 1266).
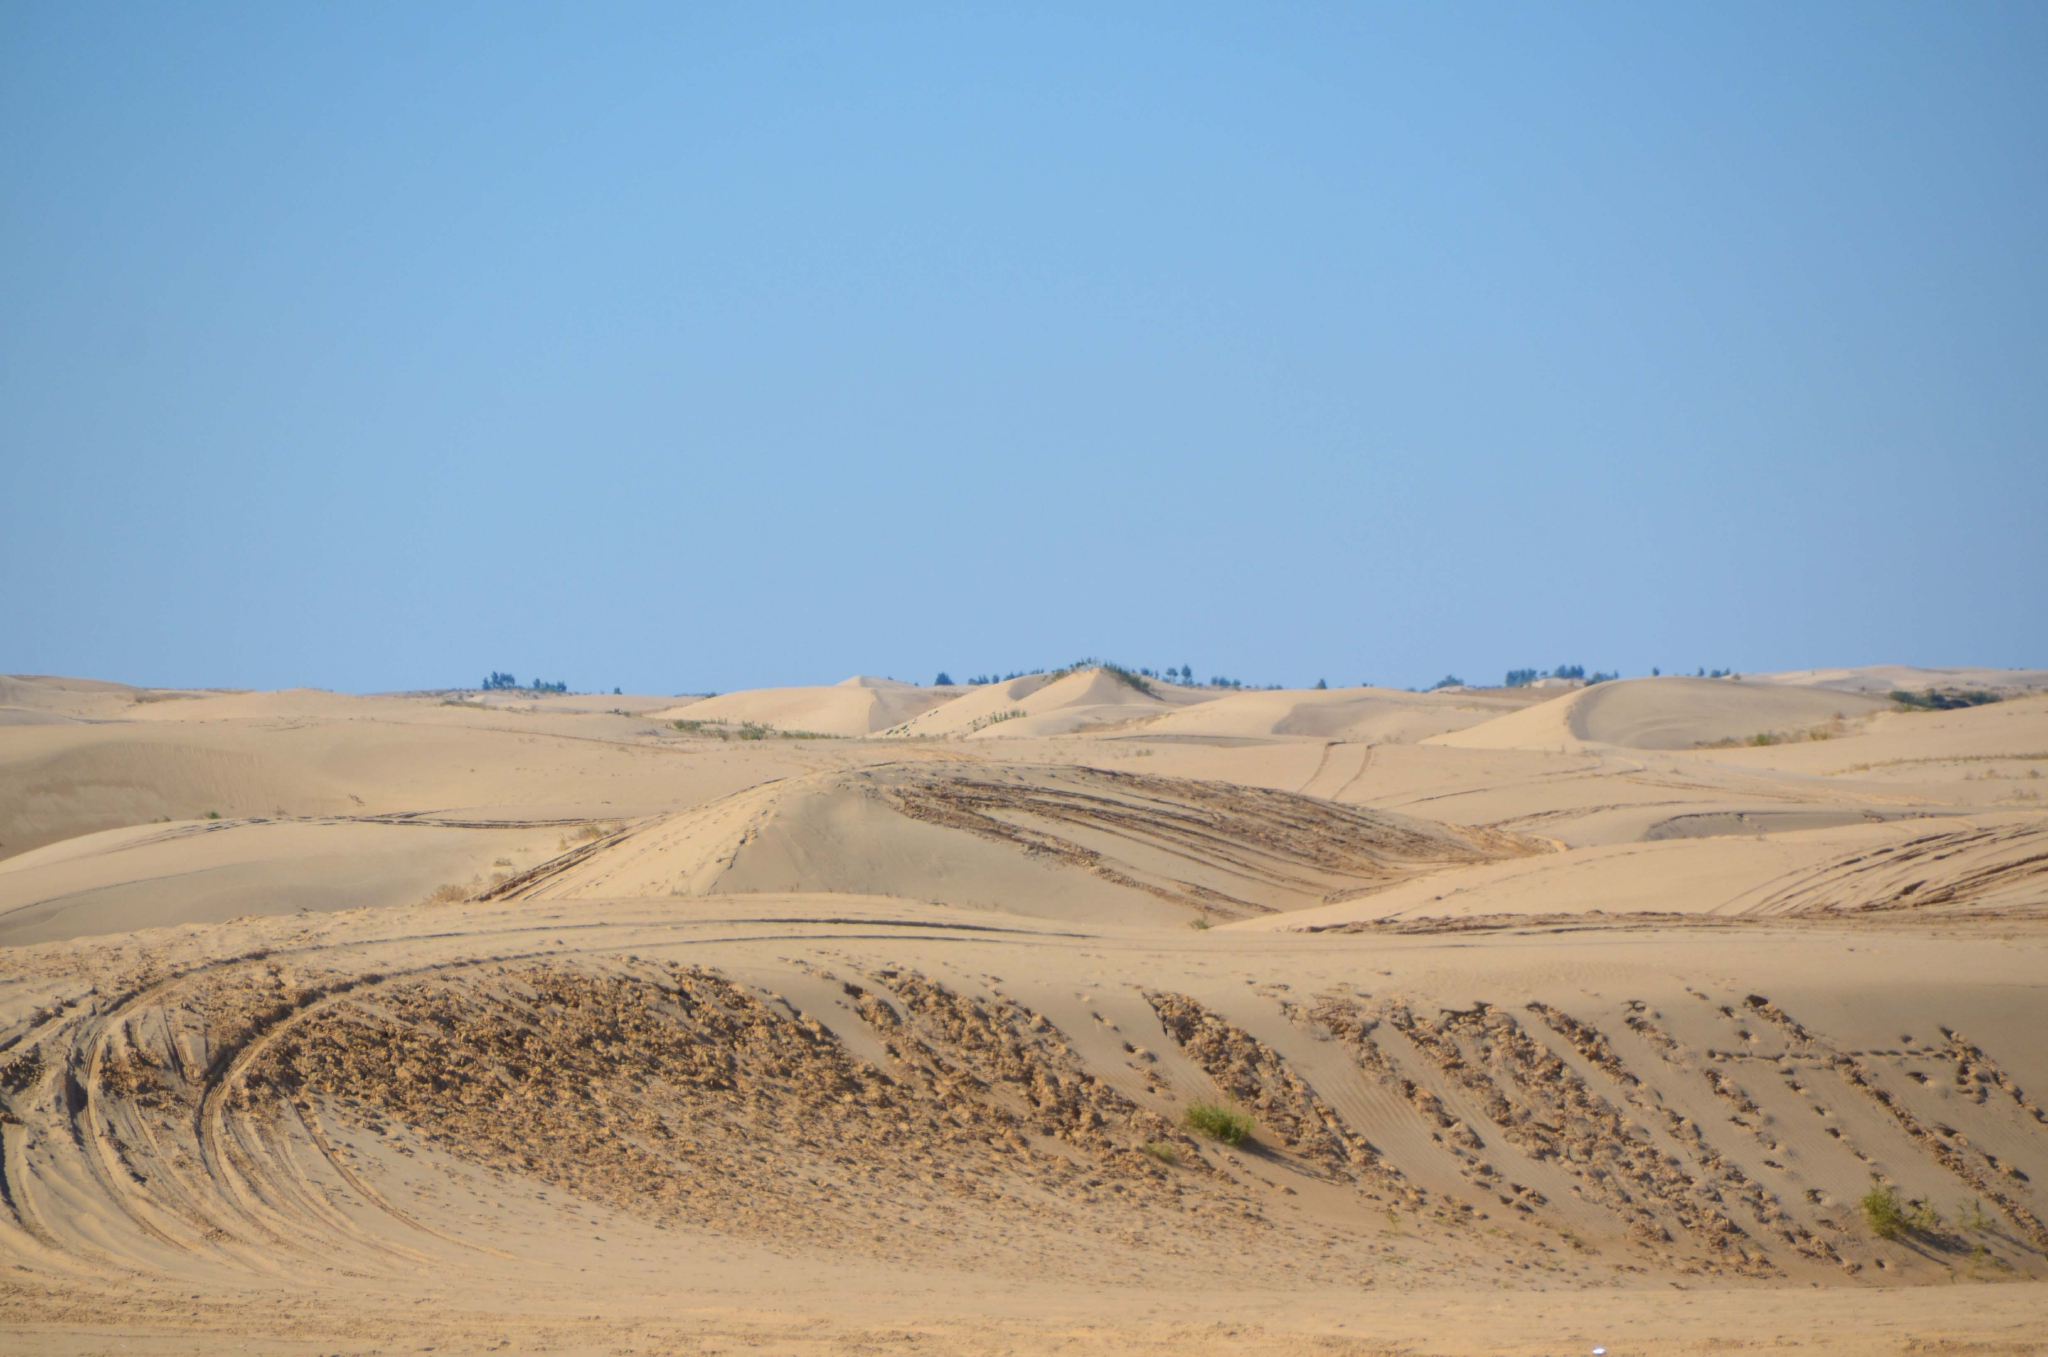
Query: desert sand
(869, 1017)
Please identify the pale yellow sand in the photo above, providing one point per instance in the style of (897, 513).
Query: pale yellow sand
(542, 1024)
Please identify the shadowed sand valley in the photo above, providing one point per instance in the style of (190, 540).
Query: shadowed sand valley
(870, 1017)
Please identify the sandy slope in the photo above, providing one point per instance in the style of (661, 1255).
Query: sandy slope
(1046, 841)
(1052, 704)
(1367, 715)
(855, 706)
(1884, 678)
(1667, 713)
(1557, 1029)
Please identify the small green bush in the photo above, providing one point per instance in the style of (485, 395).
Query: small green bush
(1164, 1151)
(1890, 1218)
(1883, 1212)
(1225, 1124)
(1950, 700)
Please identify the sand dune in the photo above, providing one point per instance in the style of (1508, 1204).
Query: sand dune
(1367, 715)
(1881, 679)
(1559, 1020)
(1666, 713)
(1070, 843)
(207, 871)
(856, 706)
(1091, 699)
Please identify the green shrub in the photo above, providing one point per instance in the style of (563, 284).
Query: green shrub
(1890, 1218)
(1163, 1151)
(1225, 1124)
(1942, 701)
(1883, 1212)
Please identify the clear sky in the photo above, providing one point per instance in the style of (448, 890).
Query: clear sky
(687, 347)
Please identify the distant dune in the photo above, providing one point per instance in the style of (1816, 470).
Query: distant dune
(1370, 715)
(1039, 704)
(1665, 713)
(855, 706)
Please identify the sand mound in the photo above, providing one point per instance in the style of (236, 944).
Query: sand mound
(1954, 869)
(1047, 841)
(152, 876)
(1367, 715)
(981, 706)
(853, 707)
(93, 782)
(1086, 700)
(1881, 679)
(270, 1113)
(49, 696)
(1664, 713)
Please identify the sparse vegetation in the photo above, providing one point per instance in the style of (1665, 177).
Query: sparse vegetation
(450, 894)
(1943, 700)
(1890, 1218)
(748, 730)
(1164, 1151)
(1766, 738)
(981, 679)
(984, 722)
(1116, 671)
(1522, 678)
(1224, 1124)
(499, 682)
(213, 815)
(1882, 1212)
(1447, 681)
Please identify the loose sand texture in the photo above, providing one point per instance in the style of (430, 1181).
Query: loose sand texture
(498, 1022)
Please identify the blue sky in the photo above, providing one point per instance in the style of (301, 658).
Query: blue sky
(377, 347)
